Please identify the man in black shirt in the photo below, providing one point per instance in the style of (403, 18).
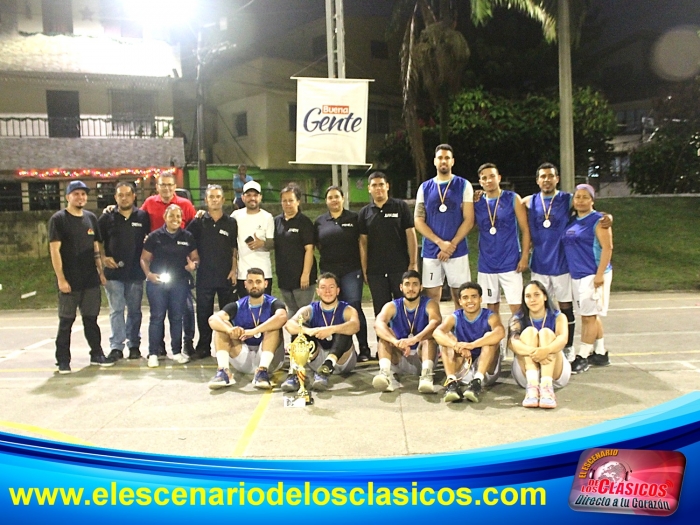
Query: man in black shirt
(215, 234)
(123, 231)
(74, 245)
(388, 244)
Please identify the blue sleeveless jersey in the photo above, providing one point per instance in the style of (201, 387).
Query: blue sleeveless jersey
(581, 246)
(498, 253)
(401, 325)
(321, 317)
(549, 321)
(547, 249)
(444, 224)
(468, 331)
(249, 317)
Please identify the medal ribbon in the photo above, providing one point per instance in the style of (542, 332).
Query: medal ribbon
(443, 195)
(411, 324)
(492, 218)
(544, 320)
(323, 313)
(256, 322)
(546, 210)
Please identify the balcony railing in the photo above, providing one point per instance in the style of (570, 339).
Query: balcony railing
(92, 127)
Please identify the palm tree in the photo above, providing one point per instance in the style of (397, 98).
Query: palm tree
(434, 54)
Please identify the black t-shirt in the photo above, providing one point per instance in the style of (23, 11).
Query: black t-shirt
(385, 228)
(291, 236)
(216, 241)
(123, 240)
(170, 253)
(77, 236)
(338, 243)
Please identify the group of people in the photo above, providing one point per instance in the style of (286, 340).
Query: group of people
(167, 241)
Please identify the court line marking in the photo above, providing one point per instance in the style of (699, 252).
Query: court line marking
(653, 308)
(252, 424)
(45, 432)
(37, 345)
(647, 334)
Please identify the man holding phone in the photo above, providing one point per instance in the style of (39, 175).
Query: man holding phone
(256, 232)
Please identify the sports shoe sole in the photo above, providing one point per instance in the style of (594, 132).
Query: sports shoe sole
(426, 387)
(581, 370)
(262, 385)
(318, 385)
(381, 383)
(471, 396)
(547, 406)
(325, 370)
(452, 397)
(218, 386)
(64, 371)
(101, 364)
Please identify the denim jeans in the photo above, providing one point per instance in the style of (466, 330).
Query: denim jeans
(170, 299)
(351, 292)
(121, 295)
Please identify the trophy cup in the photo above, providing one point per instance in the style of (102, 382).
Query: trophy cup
(299, 351)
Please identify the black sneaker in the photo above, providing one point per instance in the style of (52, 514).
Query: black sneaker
(453, 392)
(64, 367)
(599, 359)
(116, 355)
(101, 360)
(365, 354)
(579, 365)
(473, 390)
(188, 348)
(326, 368)
(134, 353)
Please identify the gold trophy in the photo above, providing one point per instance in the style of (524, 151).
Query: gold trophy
(299, 351)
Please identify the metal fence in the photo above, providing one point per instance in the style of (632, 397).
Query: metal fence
(96, 127)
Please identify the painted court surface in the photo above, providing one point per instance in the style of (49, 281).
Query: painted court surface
(653, 341)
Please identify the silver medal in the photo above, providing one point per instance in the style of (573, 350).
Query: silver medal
(547, 223)
(443, 208)
(492, 231)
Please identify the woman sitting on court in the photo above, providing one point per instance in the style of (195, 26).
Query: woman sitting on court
(537, 335)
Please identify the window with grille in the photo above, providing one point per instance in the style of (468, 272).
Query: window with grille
(133, 113)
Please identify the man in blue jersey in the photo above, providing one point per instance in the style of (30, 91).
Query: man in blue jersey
(444, 215)
(469, 341)
(502, 219)
(248, 335)
(404, 330)
(549, 212)
(330, 325)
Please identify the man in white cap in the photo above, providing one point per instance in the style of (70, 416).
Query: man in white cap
(256, 232)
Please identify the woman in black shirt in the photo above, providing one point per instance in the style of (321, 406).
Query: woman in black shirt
(338, 241)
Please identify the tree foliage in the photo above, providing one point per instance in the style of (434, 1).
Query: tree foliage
(669, 162)
(517, 134)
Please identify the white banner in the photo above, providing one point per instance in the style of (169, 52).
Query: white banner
(331, 121)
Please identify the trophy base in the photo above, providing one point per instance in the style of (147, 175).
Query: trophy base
(298, 400)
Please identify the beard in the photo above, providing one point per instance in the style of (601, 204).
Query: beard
(256, 294)
(411, 299)
(327, 303)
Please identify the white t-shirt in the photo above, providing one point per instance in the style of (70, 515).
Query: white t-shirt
(262, 225)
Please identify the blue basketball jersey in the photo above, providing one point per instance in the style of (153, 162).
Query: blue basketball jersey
(468, 331)
(444, 224)
(548, 321)
(321, 317)
(581, 246)
(547, 249)
(249, 316)
(407, 323)
(498, 253)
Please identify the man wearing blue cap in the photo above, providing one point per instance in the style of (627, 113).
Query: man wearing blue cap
(74, 244)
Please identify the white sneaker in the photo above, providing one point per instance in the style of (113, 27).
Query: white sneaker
(181, 358)
(425, 385)
(385, 382)
(152, 361)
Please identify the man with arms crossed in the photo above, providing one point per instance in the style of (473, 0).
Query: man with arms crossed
(330, 324)
(248, 335)
(469, 341)
(404, 328)
(501, 216)
(444, 215)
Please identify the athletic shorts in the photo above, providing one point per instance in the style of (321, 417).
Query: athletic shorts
(411, 365)
(248, 361)
(456, 270)
(558, 286)
(465, 375)
(347, 367)
(560, 382)
(590, 301)
(491, 283)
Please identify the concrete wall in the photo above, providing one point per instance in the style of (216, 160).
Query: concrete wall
(24, 234)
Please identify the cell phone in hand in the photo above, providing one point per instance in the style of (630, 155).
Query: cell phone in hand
(249, 239)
